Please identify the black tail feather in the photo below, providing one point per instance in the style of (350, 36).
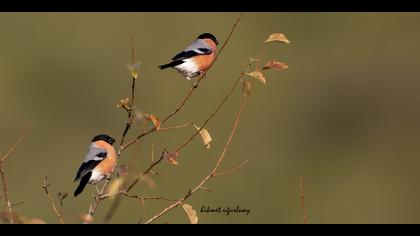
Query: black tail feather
(172, 64)
(82, 185)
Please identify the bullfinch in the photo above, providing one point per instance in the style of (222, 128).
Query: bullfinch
(196, 58)
(99, 162)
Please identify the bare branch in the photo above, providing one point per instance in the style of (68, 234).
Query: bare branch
(3, 173)
(175, 127)
(231, 170)
(20, 140)
(58, 212)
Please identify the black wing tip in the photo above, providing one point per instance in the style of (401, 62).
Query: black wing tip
(82, 184)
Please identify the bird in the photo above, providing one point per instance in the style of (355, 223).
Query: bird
(196, 58)
(98, 164)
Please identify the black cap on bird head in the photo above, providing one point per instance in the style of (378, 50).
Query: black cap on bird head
(208, 36)
(104, 137)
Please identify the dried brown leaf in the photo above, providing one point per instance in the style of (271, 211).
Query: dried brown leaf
(275, 65)
(205, 135)
(258, 75)
(191, 213)
(246, 87)
(171, 157)
(277, 37)
(154, 120)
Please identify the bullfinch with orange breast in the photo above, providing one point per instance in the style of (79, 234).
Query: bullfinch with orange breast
(196, 58)
(99, 162)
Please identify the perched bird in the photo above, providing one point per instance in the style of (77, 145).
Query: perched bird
(99, 162)
(196, 58)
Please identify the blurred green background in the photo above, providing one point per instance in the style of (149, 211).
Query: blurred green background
(345, 114)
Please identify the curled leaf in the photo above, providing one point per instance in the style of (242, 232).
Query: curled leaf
(86, 218)
(258, 75)
(277, 37)
(34, 221)
(205, 135)
(124, 103)
(134, 70)
(171, 157)
(275, 65)
(152, 118)
(246, 87)
(191, 213)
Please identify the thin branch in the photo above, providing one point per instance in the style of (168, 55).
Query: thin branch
(3, 173)
(147, 171)
(58, 212)
(20, 140)
(302, 200)
(5, 192)
(212, 173)
(175, 127)
(231, 170)
(130, 111)
(19, 203)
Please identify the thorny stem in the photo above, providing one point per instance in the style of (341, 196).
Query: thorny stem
(212, 173)
(3, 173)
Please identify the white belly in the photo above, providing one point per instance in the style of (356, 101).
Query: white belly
(189, 69)
(96, 177)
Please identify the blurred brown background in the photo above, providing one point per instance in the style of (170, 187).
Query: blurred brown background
(345, 114)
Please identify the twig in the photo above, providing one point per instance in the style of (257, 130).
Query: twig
(18, 203)
(131, 116)
(302, 200)
(59, 213)
(147, 171)
(212, 173)
(231, 170)
(3, 173)
(5, 192)
(20, 140)
(175, 127)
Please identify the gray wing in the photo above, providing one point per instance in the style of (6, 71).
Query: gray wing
(95, 153)
(94, 156)
(199, 47)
